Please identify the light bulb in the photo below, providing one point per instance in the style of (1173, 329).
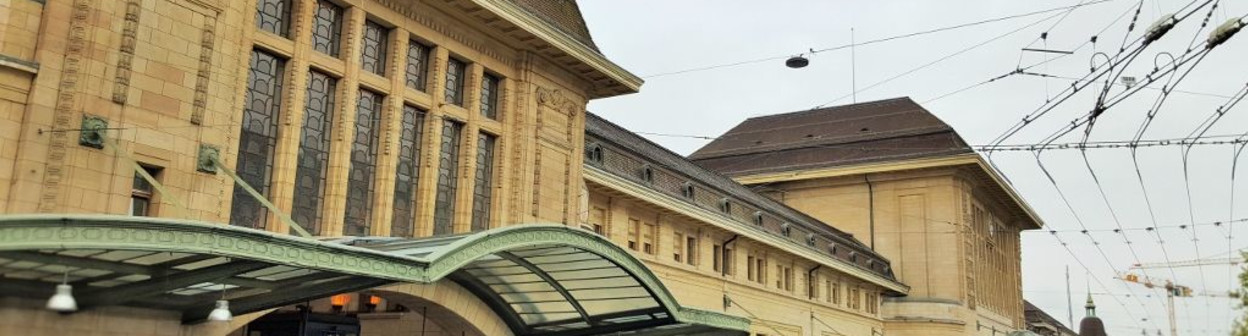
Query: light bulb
(63, 301)
(222, 312)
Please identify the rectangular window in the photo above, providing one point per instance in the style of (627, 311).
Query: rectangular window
(484, 186)
(717, 254)
(751, 272)
(634, 228)
(836, 293)
(691, 250)
(327, 28)
(648, 236)
(417, 64)
(729, 257)
(827, 290)
(361, 176)
(455, 81)
(408, 172)
(313, 162)
(273, 16)
(780, 276)
(141, 193)
(788, 278)
(678, 248)
(448, 176)
(762, 269)
(489, 96)
(258, 138)
(373, 54)
(598, 219)
(812, 286)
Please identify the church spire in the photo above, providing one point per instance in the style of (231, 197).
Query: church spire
(1091, 306)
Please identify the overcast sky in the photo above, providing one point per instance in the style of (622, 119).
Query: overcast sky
(650, 37)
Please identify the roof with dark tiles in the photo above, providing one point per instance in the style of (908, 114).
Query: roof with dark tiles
(599, 129)
(885, 130)
(562, 14)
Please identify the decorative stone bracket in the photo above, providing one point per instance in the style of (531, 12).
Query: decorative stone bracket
(91, 134)
(206, 160)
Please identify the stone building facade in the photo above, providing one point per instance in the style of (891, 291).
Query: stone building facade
(892, 174)
(422, 123)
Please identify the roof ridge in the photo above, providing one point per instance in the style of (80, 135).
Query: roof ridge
(842, 140)
(846, 107)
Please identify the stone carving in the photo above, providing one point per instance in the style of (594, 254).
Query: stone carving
(66, 100)
(207, 44)
(450, 30)
(130, 29)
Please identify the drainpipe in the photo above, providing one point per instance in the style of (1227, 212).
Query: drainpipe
(723, 255)
(870, 207)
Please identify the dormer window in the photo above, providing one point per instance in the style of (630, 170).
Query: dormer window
(725, 205)
(853, 257)
(687, 190)
(786, 229)
(593, 153)
(758, 218)
(832, 248)
(810, 239)
(647, 174)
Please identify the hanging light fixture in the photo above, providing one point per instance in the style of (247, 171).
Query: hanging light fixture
(63, 301)
(797, 62)
(222, 312)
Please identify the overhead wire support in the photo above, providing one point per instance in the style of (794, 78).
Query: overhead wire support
(881, 40)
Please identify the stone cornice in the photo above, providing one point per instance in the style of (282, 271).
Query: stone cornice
(893, 166)
(598, 176)
(562, 41)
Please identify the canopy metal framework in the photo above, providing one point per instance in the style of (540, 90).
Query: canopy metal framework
(540, 279)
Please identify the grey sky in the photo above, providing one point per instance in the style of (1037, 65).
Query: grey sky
(651, 37)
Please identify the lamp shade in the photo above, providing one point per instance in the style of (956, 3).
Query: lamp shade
(63, 301)
(222, 312)
(797, 62)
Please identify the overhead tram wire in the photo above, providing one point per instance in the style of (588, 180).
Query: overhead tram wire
(1079, 220)
(880, 40)
(1086, 80)
(937, 61)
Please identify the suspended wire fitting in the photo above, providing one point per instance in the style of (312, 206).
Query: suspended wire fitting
(1160, 28)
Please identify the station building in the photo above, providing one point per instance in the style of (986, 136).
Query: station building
(387, 167)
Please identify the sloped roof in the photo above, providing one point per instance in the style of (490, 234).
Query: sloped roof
(599, 129)
(884, 130)
(1035, 315)
(564, 15)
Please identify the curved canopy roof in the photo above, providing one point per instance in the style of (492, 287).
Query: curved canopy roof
(541, 279)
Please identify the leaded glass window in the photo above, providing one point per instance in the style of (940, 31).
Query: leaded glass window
(360, 177)
(455, 81)
(448, 173)
(313, 161)
(417, 65)
(327, 28)
(481, 193)
(489, 96)
(258, 138)
(408, 171)
(273, 16)
(373, 56)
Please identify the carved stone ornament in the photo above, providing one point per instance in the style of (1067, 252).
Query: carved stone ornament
(205, 161)
(91, 134)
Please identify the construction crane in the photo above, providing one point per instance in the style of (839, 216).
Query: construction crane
(1172, 291)
(1191, 263)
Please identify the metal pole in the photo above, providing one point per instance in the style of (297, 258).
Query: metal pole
(1070, 306)
(853, 66)
(1174, 331)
